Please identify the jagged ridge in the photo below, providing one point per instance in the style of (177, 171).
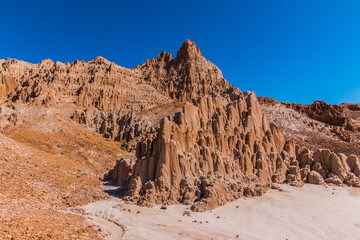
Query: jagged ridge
(196, 139)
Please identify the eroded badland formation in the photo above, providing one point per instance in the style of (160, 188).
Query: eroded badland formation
(171, 130)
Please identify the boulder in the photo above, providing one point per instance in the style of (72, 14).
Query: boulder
(315, 178)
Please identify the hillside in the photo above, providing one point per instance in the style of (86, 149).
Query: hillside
(169, 131)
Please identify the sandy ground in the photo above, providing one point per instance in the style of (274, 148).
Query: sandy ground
(310, 212)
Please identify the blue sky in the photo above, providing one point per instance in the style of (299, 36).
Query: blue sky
(297, 51)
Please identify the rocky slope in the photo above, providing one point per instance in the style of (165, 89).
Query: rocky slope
(319, 124)
(220, 147)
(335, 115)
(212, 151)
(191, 136)
(49, 163)
(98, 83)
(186, 77)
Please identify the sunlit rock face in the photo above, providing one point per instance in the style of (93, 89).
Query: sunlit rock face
(194, 138)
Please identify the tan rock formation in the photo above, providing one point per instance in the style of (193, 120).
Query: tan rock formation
(195, 138)
(98, 83)
(318, 124)
(216, 149)
(326, 113)
(220, 148)
(192, 162)
(186, 77)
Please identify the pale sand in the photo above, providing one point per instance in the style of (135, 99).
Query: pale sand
(310, 212)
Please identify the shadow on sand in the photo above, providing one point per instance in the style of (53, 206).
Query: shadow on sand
(113, 190)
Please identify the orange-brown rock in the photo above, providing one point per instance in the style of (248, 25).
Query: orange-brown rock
(220, 148)
(216, 149)
(106, 92)
(326, 113)
(333, 168)
(98, 83)
(319, 125)
(193, 137)
(186, 77)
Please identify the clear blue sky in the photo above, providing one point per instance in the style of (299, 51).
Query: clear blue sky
(298, 50)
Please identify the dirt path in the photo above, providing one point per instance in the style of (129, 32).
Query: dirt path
(109, 229)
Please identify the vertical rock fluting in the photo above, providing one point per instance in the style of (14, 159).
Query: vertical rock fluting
(216, 149)
(220, 148)
(184, 78)
(198, 140)
(97, 84)
(107, 93)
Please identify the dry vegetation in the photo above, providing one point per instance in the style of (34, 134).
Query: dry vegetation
(47, 170)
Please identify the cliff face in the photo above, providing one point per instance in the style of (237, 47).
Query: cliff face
(194, 138)
(156, 84)
(218, 149)
(220, 146)
(319, 125)
(106, 92)
(186, 77)
(345, 115)
(97, 84)
(326, 113)
(214, 150)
